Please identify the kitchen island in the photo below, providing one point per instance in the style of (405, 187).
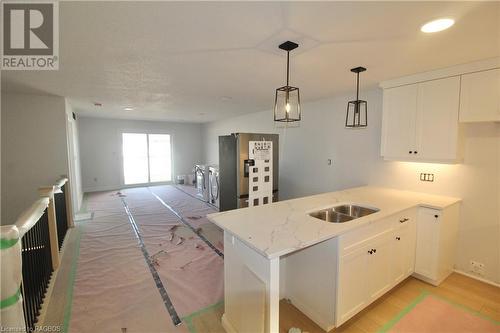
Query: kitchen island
(281, 244)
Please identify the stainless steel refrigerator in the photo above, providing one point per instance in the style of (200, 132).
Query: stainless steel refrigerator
(234, 164)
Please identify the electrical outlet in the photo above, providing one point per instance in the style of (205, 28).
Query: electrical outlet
(427, 177)
(329, 161)
(477, 268)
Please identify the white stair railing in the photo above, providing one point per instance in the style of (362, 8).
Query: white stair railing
(29, 254)
(26, 267)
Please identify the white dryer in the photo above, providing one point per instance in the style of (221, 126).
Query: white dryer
(213, 185)
(201, 172)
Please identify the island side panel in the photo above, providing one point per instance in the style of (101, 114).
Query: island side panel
(310, 279)
(251, 289)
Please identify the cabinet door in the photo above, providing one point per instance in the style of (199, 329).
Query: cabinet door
(428, 228)
(480, 96)
(404, 239)
(437, 119)
(380, 262)
(398, 124)
(352, 282)
(402, 254)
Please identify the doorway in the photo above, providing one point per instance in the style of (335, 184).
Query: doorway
(147, 158)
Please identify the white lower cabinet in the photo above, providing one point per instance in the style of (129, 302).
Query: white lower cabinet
(436, 243)
(352, 286)
(427, 243)
(404, 247)
(379, 267)
(372, 260)
(333, 281)
(364, 272)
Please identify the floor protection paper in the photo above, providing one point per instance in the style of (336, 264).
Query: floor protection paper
(114, 290)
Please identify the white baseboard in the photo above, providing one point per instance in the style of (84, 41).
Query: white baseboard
(428, 280)
(313, 315)
(477, 278)
(102, 188)
(80, 201)
(82, 217)
(228, 327)
(121, 187)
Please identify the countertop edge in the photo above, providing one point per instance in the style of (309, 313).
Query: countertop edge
(212, 218)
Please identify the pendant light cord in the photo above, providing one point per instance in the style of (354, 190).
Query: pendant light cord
(357, 88)
(287, 67)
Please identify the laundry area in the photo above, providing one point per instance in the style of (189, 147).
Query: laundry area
(149, 259)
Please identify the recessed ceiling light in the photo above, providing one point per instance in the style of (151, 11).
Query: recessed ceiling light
(128, 108)
(437, 25)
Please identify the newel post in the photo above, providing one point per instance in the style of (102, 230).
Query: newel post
(48, 191)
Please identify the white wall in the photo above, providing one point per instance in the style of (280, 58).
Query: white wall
(34, 150)
(74, 162)
(0, 156)
(304, 150)
(476, 181)
(101, 148)
(356, 161)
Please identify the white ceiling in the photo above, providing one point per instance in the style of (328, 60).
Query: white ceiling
(201, 61)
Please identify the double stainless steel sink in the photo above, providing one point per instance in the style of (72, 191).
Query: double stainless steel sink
(343, 213)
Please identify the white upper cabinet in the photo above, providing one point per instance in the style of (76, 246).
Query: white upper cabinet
(422, 112)
(437, 120)
(398, 124)
(420, 121)
(480, 96)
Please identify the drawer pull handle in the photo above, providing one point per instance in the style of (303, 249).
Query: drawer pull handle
(398, 238)
(370, 251)
(404, 220)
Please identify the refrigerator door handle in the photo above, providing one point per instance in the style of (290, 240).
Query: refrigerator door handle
(247, 164)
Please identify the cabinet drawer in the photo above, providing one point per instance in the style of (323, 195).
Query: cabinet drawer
(357, 238)
(406, 216)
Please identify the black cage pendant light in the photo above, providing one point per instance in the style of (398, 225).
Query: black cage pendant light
(356, 116)
(287, 100)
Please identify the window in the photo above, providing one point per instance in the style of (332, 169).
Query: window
(146, 158)
(160, 164)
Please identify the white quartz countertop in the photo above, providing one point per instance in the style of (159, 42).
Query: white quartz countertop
(280, 228)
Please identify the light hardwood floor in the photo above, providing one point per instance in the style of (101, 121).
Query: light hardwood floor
(460, 289)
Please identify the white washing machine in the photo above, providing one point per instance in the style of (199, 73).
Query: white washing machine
(201, 171)
(213, 185)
